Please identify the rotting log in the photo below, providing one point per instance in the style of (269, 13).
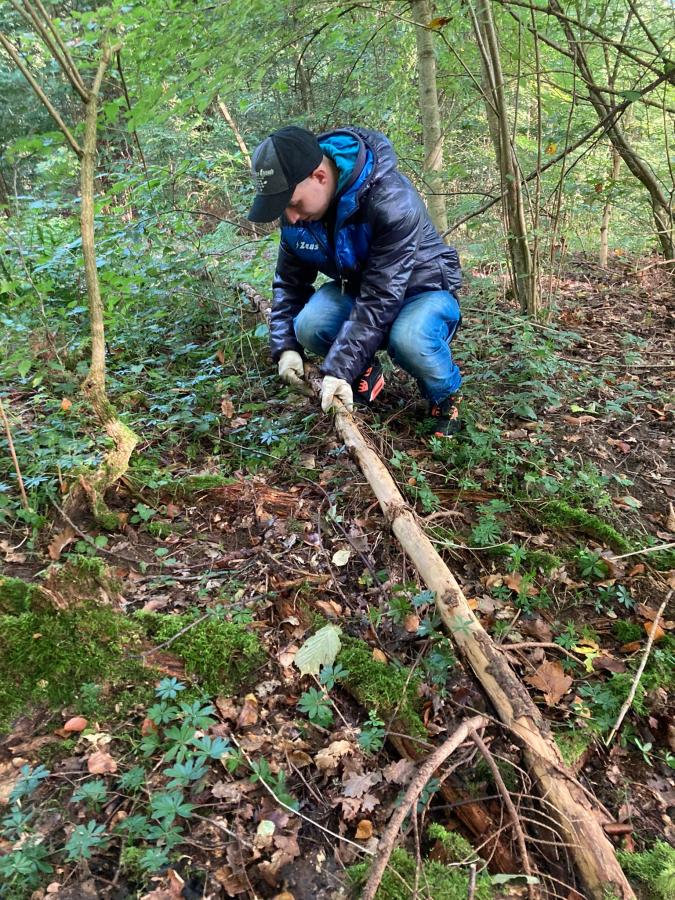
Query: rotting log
(580, 823)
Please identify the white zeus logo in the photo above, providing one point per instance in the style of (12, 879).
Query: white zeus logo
(303, 245)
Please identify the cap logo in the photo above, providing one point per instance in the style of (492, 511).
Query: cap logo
(261, 178)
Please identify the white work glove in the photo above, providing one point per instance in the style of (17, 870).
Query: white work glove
(336, 389)
(291, 368)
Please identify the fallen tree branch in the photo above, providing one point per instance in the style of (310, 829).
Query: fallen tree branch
(12, 452)
(415, 788)
(592, 851)
(638, 675)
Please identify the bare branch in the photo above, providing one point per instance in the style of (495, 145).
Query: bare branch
(13, 54)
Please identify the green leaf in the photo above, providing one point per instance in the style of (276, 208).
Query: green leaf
(320, 649)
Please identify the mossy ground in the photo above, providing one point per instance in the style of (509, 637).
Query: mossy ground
(652, 871)
(86, 654)
(437, 881)
(390, 691)
(89, 656)
(222, 655)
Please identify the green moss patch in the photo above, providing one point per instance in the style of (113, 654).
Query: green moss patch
(559, 514)
(196, 484)
(54, 657)
(222, 655)
(653, 871)
(15, 596)
(572, 745)
(437, 880)
(387, 690)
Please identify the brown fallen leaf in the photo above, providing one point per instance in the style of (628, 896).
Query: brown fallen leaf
(357, 785)
(578, 420)
(379, 655)
(66, 404)
(364, 830)
(62, 539)
(249, 712)
(550, 678)
(101, 763)
(170, 887)
(670, 518)
(77, 723)
(412, 623)
(230, 882)
(399, 772)
(327, 758)
(330, 608)
(621, 445)
(227, 407)
(659, 633)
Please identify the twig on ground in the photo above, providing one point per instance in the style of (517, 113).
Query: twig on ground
(176, 636)
(643, 662)
(527, 645)
(8, 432)
(508, 802)
(645, 550)
(426, 770)
(472, 882)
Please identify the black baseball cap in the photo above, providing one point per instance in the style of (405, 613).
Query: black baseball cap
(279, 164)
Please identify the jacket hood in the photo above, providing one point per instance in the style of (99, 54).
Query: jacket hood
(350, 146)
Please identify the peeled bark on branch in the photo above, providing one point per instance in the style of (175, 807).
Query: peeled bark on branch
(578, 819)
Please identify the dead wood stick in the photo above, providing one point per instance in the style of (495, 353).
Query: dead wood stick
(508, 802)
(470, 811)
(638, 675)
(415, 788)
(580, 827)
(12, 451)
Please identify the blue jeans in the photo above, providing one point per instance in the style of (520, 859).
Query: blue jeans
(418, 341)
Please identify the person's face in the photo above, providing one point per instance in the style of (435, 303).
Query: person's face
(311, 198)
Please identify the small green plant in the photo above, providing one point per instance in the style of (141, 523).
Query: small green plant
(317, 706)
(372, 733)
(591, 564)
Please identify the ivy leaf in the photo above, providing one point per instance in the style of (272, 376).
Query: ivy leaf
(320, 649)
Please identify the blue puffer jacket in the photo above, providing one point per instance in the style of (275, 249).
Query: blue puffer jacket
(385, 250)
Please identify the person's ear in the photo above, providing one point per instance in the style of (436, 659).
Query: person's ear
(320, 174)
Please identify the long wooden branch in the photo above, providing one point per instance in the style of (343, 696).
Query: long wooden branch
(30, 15)
(21, 66)
(578, 819)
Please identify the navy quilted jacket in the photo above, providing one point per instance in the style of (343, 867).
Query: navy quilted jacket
(385, 250)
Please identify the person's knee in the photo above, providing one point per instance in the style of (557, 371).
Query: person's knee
(307, 327)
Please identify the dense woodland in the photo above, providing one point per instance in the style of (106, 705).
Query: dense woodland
(249, 649)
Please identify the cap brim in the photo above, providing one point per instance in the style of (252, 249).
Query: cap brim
(268, 207)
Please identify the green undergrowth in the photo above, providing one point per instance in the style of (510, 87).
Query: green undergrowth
(85, 656)
(436, 881)
(222, 655)
(572, 745)
(191, 485)
(652, 871)
(390, 691)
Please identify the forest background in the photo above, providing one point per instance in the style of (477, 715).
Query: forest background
(135, 386)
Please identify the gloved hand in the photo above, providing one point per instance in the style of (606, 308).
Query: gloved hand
(336, 389)
(291, 368)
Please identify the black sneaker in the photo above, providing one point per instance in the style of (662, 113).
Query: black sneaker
(445, 416)
(368, 386)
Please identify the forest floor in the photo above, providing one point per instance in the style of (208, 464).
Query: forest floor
(152, 710)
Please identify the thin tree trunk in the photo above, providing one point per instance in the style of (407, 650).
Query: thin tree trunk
(432, 133)
(607, 209)
(524, 276)
(227, 116)
(5, 206)
(92, 486)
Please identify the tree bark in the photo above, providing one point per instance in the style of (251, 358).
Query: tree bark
(432, 133)
(607, 210)
(523, 271)
(578, 818)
